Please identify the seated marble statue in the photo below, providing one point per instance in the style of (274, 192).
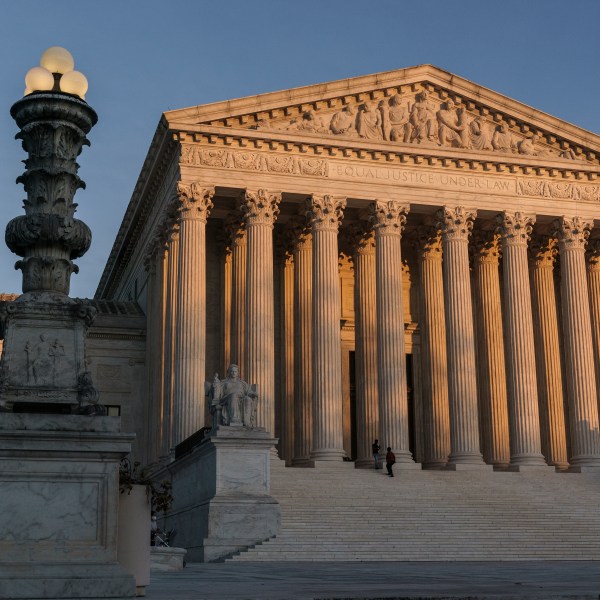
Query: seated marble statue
(232, 401)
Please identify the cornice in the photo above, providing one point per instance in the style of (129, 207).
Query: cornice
(315, 146)
(161, 152)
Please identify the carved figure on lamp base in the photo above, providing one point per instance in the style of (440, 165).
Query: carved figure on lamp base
(232, 401)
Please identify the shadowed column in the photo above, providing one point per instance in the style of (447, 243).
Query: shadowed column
(572, 236)
(195, 203)
(492, 380)
(524, 421)
(594, 289)
(303, 399)
(325, 214)
(362, 242)
(388, 219)
(547, 342)
(433, 347)
(456, 224)
(260, 210)
(237, 242)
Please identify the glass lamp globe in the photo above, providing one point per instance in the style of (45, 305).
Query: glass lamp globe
(74, 82)
(39, 79)
(57, 60)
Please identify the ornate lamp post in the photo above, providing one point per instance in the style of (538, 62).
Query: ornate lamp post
(43, 367)
(59, 472)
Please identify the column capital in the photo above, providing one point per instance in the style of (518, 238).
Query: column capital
(544, 249)
(325, 212)
(358, 238)
(572, 233)
(298, 234)
(429, 240)
(388, 217)
(515, 228)
(194, 201)
(486, 247)
(234, 229)
(260, 207)
(593, 253)
(456, 223)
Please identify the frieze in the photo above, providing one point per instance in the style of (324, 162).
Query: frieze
(253, 161)
(558, 191)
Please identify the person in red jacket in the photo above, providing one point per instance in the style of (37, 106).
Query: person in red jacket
(390, 459)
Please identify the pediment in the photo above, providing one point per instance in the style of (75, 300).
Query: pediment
(420, 106)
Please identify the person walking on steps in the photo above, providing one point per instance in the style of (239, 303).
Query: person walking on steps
(375, 447)
(390, 459)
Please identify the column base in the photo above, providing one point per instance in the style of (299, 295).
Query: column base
(527, 460)
(595, 469)
(472, 459)
(328, 454)
(469, 467)
(530, 468)
(585, 461)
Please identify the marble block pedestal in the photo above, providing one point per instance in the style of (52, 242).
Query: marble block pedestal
(221, 492)
(59, 482)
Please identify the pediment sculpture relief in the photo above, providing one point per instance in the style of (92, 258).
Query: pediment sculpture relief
(421, 118)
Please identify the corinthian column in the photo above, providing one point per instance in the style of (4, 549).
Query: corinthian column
(492, 370)
(172, 266)
(362, 242)
(260, 210)
(524, 420)
(325, 214)
(433, 347)
(579, 352)
(456, 224)
(594, 288)
(195, 203)
(388, 219)
(237, 242)
(303, 400)
(547, 342)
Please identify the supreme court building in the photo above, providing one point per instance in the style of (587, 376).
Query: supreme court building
(405, 256)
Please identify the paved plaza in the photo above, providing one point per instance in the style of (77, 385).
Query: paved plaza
(545, 580)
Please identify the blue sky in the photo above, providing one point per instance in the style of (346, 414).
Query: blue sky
(143, 57)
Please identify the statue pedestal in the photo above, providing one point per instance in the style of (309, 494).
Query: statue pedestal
(221, 492)
(59, 476)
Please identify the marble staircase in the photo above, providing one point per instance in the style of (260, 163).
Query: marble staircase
(338, 513)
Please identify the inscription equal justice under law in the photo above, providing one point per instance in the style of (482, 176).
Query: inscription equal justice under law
(420, 178)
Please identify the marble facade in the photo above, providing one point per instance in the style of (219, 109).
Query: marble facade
(407, 256)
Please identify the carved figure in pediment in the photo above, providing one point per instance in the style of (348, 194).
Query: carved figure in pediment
(503, 140)
(309, 122)
(369, 122)
(422, 119)
(396, 120)
(479, 135)
(529, 147)
(450, 128)
(343, 122)
(568, 153)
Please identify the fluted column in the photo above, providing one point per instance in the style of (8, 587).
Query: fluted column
(492, 370)
(303, 398)
(524, 421)
(324, 214)
(171, 309)
(190, 338)
(572, 236)
(594, 290)
(226, 303)
(260, 210)
(436, 411)
(362, 242)
(286, 359)
(237, 242)
(547, 346)
(388, 219)
(456, 224)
